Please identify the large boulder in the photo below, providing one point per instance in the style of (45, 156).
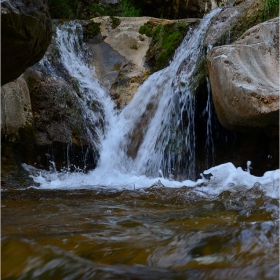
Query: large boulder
(25, 35)
(244, 79)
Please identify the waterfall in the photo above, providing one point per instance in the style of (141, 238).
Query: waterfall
(66, 60)
(153, 140)
(155, 133)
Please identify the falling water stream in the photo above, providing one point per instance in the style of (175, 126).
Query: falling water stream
(129, 218)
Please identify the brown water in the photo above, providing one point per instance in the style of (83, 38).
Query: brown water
(156, 233)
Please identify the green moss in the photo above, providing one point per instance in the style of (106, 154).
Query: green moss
(253, 15)
(129, 9)
(134, 47)
(91, 30)
(271, 9)
(115, 22)
(181, 26)
(199, 74)
(162, 59)
(166, 38)
(80, 9)
(101, 9)
(144, 29)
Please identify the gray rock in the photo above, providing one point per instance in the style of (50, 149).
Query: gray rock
(228, 25)
(244, 79)
(25, 35)
(16, 110)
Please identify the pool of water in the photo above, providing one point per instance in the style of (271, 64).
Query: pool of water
(152, 233)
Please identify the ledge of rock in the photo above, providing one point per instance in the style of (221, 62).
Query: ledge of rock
(123, 58)
(25, 35)
(244, 79)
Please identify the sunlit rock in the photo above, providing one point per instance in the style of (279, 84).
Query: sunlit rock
(125, 51)
(16, 114)
(244, 79)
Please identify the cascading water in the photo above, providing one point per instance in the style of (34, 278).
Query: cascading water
(93, 100)
(153, 138)
(155, 133)
(210, 147)
(115, 222)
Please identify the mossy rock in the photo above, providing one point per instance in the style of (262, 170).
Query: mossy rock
(147, 28)
(166, 38)
(199, 74)
(91, 30)
(252, 13)
(115, 22)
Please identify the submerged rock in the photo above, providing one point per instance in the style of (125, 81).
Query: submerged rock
(25, 36)
(244, 79)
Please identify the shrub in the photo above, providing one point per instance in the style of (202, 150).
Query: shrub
(144, 29)
(129, 10)
(115, 22)
(271, 9)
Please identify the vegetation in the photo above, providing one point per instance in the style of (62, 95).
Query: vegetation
(78, 9)
(199, 75)
(129, 9)
(91, 30)
(145, 29)
(271, 9)
(115, 22)
(165, 40)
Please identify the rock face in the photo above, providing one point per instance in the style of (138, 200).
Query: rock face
(182, 8)
(123, 57)
(119, 56)
(44, 120)
(228, 25)
(244, 79)
(25, 35)
(16, 113)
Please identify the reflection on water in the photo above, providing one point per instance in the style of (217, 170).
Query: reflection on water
(153, 233)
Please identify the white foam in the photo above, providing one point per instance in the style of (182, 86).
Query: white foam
(115, 169)
(225, 177)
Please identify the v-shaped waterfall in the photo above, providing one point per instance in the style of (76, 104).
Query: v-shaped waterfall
(154, 135)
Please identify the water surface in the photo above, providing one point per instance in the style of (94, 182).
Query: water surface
(152, 233)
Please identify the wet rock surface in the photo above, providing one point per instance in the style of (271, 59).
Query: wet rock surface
(25, 36)
(43, 122)
(124, 56)
(228, 25)
(244, 79)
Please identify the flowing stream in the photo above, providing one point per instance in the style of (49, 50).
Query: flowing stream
(129, 218)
